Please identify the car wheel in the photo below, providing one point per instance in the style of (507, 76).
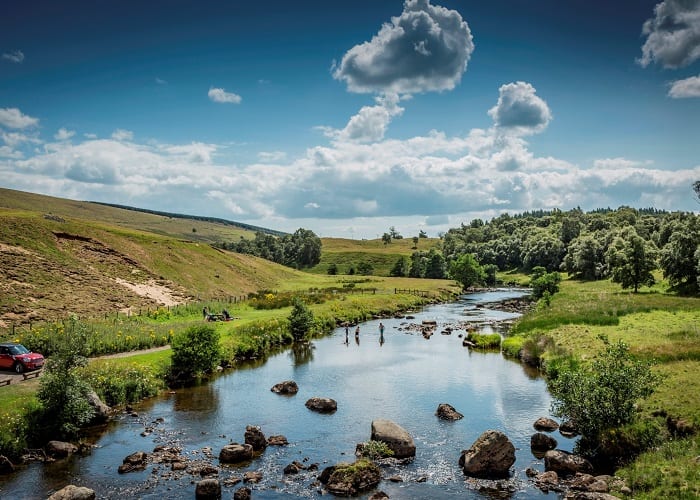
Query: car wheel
(19, 367)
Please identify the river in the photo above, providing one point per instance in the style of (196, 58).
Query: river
(398, 376)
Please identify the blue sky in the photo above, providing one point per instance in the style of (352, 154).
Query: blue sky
(350, 117)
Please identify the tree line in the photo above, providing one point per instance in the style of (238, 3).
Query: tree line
(299, 250)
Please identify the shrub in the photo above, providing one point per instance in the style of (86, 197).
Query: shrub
(602, 396)
(374, 449)
(300, 320)
(118, 383)
(195, 351)
(485, 341)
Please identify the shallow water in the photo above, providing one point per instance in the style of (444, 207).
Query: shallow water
(402, 378)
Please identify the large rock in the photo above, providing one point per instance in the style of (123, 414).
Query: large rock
(134, 462)
(350, 479)
(542, 442)
(548, 481)
(102, 411)
(234, 453)
(286, 387)
(491, 456)
(72, 492)
(60, 449)
(322, 405)
(208, 489)
(448, 412)
(255, 437)
(566, 464)
(243, 493)
(568, 429)
(545, 424)
(279, 440)
(395, 437)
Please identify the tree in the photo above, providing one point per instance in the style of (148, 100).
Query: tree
(302, 249)
(365, 268)
(333, 269)
(435, 267)
(544, 283)
(585, 258)
(400, 268)
(196, 351)
(394, 233)
(419, 262)
(490, 271)
(603, 395)
(467, 270)
(679, 260)
(422, 234)
(301, 319)
(386, 238)
(65, 407)
(696, 188)
(631, 260)
(415, 242)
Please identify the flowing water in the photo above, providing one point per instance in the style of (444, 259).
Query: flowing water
(399, 376)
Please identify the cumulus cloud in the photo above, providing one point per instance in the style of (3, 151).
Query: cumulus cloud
(122, 135)
(220, 95)
(63, 134)
(16, 56)
(271, 156)
(520, 109)
(673, 34)
(689, 87)
(426, 48)
(371, 122)
(14, 118)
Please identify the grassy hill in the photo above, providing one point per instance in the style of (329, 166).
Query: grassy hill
(346, 253)
(60, 256)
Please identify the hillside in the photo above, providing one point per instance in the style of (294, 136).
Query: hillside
(60, 256)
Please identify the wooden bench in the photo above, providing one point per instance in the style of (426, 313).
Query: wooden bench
(7, 381)
(33, 374)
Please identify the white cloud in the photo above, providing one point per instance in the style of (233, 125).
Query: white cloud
(673, 34)
(160, 81)
(16, 56)
(64, 134)
(122, 135)
(14, 118)
(689, 87)
(271, 156)
(426, 48)
(519, 109)
(90, 135)
(220, 95)
(371, 122)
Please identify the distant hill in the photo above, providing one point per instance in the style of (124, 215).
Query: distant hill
(59, 256)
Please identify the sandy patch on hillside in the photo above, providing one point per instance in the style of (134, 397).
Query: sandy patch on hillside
(154, 291)
(13, 250)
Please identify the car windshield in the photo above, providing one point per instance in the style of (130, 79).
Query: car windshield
(18, 349)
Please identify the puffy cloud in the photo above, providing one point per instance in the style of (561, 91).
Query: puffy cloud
(520, 109)
(14, 118)
(673, 34)
(426, 48)
(371, 122)
(16, 56)
(220, 95)
(64, 134)
(122, 135)
(689, 87)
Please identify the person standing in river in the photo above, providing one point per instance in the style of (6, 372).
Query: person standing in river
(381, 329)
(357, 331)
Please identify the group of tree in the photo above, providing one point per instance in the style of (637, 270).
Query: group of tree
(299, 250)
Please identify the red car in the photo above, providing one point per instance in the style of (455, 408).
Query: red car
(16, 357)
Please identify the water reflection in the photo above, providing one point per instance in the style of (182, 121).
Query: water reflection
(302, 353)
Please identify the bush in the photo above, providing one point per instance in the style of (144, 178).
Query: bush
(300, 320)
(374, 449)
(602, 396)
(118, 383)
(485, 341)
(195, 351)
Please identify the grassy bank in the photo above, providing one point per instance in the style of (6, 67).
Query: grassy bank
(659, 327)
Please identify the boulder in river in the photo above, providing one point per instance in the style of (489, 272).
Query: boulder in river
(542, 442)
(568, 429)
(235, 453)
(286, 387)
(243, 493)
(72, 492)
(345, 479)
(395, 437)
(102, 411)
(491, 456)
(60, 449)
(545, 424)
(135, 461)
(566, 464)
(255, 437)
(208, 489)
(279, 440)
(322, 405)
(447, 412)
